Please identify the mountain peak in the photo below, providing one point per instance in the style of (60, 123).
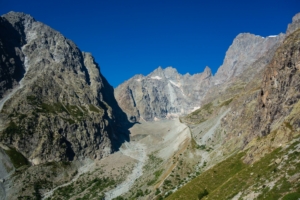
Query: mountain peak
(157, 72)
(245, 49)
(294, 25)
(296, 17)
(207, 70)
(14, 17)
(171, 72)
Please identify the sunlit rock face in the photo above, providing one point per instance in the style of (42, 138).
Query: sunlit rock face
(162, 94)
(165, 93)
(55, 104)
(245, 50)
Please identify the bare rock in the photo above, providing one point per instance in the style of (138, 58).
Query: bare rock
(162, 94)
(245, 50)
(61, 107)
(294, 25)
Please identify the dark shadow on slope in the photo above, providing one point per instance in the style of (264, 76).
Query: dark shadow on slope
(84, 69)
(121, 124)
(11, 65)
(69, 151)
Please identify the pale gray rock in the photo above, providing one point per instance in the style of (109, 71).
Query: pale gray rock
(245, 50)
(294, 25)
(5, 168)
(163, 94)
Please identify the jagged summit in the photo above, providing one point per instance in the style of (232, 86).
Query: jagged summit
(207, 72)
(245, 49)
(294, 25)
(164, 93)
(16, 17)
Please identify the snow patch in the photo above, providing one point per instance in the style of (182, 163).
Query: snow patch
(173, 83)
(177, 85)
(156, 77)
(272, 36)
(138, 80)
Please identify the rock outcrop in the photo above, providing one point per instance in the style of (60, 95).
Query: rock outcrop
(245, 50)
(57, 106)
(162, 94)
(294, 25)
(280, 91)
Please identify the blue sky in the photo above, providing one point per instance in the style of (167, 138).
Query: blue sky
(129, 37)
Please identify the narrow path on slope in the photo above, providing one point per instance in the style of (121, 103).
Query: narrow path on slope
(136, 151)
(84, 169)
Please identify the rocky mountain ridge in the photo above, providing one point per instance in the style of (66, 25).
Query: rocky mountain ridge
(163, 94)
(254, 130)
(71, 113)
(58, 113)
(246, 48)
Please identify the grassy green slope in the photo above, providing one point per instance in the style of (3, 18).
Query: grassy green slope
(275, 176)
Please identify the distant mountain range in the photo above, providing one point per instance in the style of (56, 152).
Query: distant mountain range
(165, 94)
(58, 112)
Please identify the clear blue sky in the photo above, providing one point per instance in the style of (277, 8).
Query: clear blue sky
(129, 37)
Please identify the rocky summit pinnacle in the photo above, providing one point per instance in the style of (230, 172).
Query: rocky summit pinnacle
(294, 25)
(245, 49)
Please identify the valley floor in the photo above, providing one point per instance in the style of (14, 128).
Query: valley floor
(136, 171)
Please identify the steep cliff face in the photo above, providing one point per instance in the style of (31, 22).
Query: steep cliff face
(280, 91)
(294, 25)
(60, 107)
(164, 93)
(245, 49)
(12, 57)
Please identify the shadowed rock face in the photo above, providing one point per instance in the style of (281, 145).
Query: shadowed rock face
(164, 93)
(61, 107)
(12, 58)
